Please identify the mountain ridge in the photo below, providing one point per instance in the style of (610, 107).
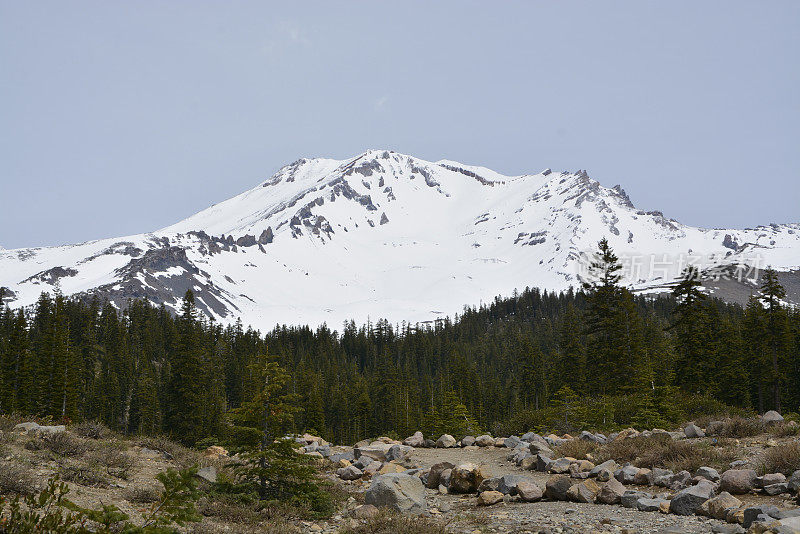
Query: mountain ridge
(384, 234)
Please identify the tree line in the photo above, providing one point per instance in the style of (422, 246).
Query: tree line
(503, 367)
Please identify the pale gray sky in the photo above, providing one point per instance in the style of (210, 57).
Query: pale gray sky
(123, 117)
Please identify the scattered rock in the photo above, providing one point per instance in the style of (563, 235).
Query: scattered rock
(629, 498)
(415, 440)
(398, 491)
(611, 492)
(769, 479)
(772, 417)
(583, 492)
(645, 504)
(432, 481)
(529, 491)
(468, 441)
(557, 486)
(507, 484)
(365, 511)
(209, 474)
(717, 507)
(560, 466)
(709, 473)
(446, 441)
(693, 431)
(643, 477)
(737, 481)
(349, 473)
(687, 501)
(466, 478)
(484, 441)
(488, 498)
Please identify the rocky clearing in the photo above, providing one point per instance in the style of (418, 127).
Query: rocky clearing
(107, 469)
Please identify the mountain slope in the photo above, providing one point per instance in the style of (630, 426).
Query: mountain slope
(388, 235)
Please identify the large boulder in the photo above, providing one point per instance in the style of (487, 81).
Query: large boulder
(717, 507)
(693, 431)
(557, 486)
(468, 441)
(661, 477)
(647, 504)
(627, 474)
(770, 479)
(397, 453)
(529, 491)
(689, 500)
(415, 440)
(397, 491)
(611, 492)
(738, 481)
(585, 491)
(434, 474)
(511, 442)
(543, 463)
(34, 428)
(375, 450)
(772, 417)
(466, 478)
(484, 441)
(446, 441)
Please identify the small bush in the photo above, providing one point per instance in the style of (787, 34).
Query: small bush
(740, 427)
(781, 459)
(142, 494)
(59, 443)
(92, 430)
(662, 451)
(183, 456)
(389, 523)
(116, 462)
(9, 421)
(229, 511)
(84, 475)
(783, 430)
(14, 479)
(576, 448)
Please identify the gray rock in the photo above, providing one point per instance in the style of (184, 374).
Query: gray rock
(363, 462)
(434, 474)
(490, 484)
(595, 438)
(397, 491)
(772, 417)
(537, 447)
(752, 513)
(611, 492)
(662, 477)
(467, 441)
(689, 500)
(557, 486)
(543, 463)
(738, 481)
(794, 481)
(769, 479)
(512, 441)
(680, 480)
(531, 437)
(630, 497)
(415, 440)
(529, 491)
(693, 431)
(209, 474)
(484, 441)
(627, 474)
(560, 466)
(709, 473)
(508, 484)
(350, 472)
(396, 453)
(376, 451)
(610, 465)
(429, 444)
(776, 489)
(446, 441)
(349, 456)
(649, 505)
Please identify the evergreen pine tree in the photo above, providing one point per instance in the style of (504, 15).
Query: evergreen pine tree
(772, 294)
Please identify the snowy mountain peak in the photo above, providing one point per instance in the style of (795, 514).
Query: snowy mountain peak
(384, 234)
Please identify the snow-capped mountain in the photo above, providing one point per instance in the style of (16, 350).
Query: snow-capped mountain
(385, 235)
